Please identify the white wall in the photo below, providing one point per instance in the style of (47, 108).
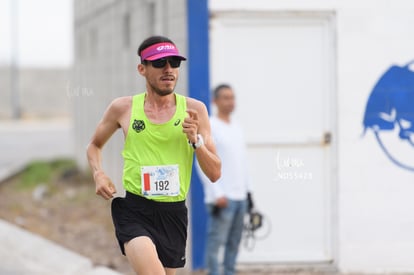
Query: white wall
(376, 227)
(375, 223)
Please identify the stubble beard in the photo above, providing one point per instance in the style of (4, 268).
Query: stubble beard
(163, 92)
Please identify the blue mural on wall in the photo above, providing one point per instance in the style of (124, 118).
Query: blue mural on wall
(390, 113)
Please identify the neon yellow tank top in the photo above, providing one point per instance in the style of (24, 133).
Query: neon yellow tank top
(153, 145)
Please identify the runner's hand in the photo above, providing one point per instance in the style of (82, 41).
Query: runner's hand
(104, 186)
(190, 125)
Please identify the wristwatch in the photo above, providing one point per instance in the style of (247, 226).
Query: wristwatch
(199, 142)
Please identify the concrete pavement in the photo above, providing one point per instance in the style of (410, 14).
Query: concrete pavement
(22, 252)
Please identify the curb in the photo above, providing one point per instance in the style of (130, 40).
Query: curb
(9, 170)
(25, 253)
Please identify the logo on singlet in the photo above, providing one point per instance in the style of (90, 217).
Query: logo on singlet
(138, 125)
(177, 122)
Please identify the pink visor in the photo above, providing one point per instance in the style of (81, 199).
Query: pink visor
(160, 50)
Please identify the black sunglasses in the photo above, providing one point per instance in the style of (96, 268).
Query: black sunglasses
(160, 63)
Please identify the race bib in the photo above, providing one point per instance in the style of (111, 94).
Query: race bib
(161, 180)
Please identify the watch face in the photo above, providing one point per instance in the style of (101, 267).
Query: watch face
(200, 141)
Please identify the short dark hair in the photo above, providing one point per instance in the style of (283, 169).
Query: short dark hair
(151, 41)
(216, 91)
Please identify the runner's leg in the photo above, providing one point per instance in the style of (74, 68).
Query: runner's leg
(143, 257)
(170, 271)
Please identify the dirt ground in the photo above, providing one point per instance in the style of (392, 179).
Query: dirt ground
(66, 210)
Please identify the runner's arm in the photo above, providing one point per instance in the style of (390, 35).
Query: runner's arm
(199, 123)
(104, 130)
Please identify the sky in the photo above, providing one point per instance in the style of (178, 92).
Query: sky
(44, 33)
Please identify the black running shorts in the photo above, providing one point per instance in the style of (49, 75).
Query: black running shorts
(165, 223)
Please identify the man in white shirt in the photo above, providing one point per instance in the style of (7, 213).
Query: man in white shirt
(229, 198)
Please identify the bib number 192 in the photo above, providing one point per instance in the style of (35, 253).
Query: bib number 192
(162, 185)
(160, 180)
